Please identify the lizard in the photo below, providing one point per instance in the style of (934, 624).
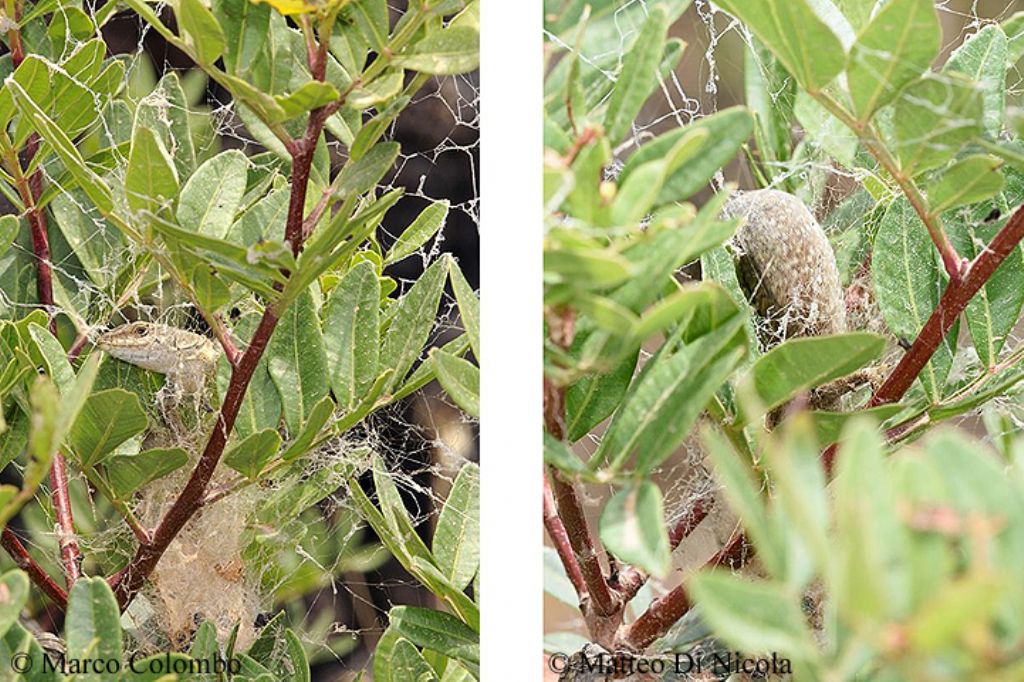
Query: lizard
(188, 360)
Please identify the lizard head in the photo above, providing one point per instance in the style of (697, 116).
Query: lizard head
(127, 336)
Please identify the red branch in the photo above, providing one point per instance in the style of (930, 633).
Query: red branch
(954, 300)
(560, 539)
(25, 562)
(129, 581)
(569, 509)
(666, 611)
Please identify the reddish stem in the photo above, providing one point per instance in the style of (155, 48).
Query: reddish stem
(666, 611)
(560, 539)
(954, 300)
(25, 562)
(129, 581)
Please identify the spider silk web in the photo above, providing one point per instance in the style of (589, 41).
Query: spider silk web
(349, 582)
(709, 79)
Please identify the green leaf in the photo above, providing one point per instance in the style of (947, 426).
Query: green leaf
(896, 48)
(744, 497)
(558, 454)
(377, 92)
(1013, 28)
(445, 52)
(968, 181)
(297, 361)
(933, 119)
(94, 186)
(9, 227)
(412, 322)
(908, 281)
(247, 25)
(315, 423)
(151, 181)
(869, 533)
(13, 595)
(108, 419)
(589, 401)
(799, 364)
(210, 198)
(407, 663)
(202, 31)
(128, 473)
(437, 631)
(352, 334)
(456, 543)
(469, 307)
(427, 223)
(726, 131)
(829, 425)
(827, 131)
(752, 616)
(459, 378)
(93, 628)
(633, 528)
(211, 292)
(586, 268)
(639, 76)
(983, 58)
(252, 454)
(19, 640)
(310, 95)
(361, 176)
(666, 399)
(813, 54)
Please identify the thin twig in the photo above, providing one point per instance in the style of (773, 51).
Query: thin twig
(560, 539)
(951, 260)
(25, 562)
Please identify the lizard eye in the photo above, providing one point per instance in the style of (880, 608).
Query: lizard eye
(141, 331)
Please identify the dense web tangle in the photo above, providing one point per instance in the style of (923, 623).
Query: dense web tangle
(347, 585)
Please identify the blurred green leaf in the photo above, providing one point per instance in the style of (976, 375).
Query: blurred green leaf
(751, 616)
(203, 32)
(896, 48)
(802, 363)
(726, 131)
(633, 528)
(93, 629)
(13, 595)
